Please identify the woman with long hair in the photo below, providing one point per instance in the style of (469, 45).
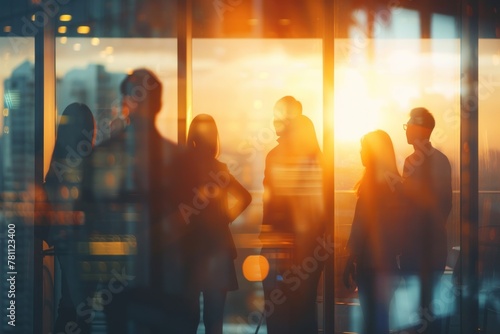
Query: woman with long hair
(207, 213)
(372, 244)
(64, 187)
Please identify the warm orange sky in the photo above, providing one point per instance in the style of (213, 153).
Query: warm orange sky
(238, 81)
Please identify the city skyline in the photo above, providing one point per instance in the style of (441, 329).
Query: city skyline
(235, 86)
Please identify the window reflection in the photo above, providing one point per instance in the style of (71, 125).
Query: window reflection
(377, 83)
(238, 81)
(17, 176)
(89, 70)
(381, 72)
(489, 184)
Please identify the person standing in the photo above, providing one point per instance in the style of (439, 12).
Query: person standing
(427, 190)
(130, 197)
(205, 208)
(65, 188)
(293, 222)
(373, 242)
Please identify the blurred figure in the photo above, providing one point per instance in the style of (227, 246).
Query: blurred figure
(427, 189)
(64, 187)
(207, 186)
(293, 222)
(130, 182)
(373, 242)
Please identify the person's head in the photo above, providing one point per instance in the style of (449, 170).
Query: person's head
(141, 94)
(378, 157)
(203, 136)
(76, 129)
(419, 126)
(285, 110)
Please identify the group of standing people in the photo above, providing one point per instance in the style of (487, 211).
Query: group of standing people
(176, 204)
(399, 225)
(171, 202)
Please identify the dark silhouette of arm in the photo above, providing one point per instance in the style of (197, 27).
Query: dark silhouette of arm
(243, 198)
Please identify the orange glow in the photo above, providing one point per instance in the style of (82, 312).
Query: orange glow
(109, 179)
(255, 268)
(358, 111)
(83, 30)
(74, 192)
(111, 248)
(65, 18)
(64, 191)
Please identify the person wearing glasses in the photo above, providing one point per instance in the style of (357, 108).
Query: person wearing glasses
(427, 190)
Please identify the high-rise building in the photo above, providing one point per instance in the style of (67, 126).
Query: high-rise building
(19, 128)
(18, 169)
(93, 86)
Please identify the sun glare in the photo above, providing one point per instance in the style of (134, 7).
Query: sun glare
(357, 111)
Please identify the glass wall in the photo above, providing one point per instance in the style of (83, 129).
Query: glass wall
(118, 199)
(17, 181)
(489, 187)
(382, 71)
(238, 82)
(90, 71)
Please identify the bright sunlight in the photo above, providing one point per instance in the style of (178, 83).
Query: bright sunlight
(358, 108)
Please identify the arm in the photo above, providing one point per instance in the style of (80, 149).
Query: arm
(243, 199)
(357, 236)
(267, 194)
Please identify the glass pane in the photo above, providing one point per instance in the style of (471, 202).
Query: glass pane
(238, 82)
(489, 185)
(90, 70)
(17, 176)
(107, 157)
(377, 82)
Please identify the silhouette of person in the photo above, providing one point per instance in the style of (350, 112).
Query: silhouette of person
(293, 220)
(373, 241)
(130, 182)
(427, 189)
(206, 211)
(64, 186)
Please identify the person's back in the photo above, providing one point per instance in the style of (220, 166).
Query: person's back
(207, 244)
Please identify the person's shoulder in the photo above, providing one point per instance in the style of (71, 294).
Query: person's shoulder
(439, 155)
(275, 152)
(221, 166)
